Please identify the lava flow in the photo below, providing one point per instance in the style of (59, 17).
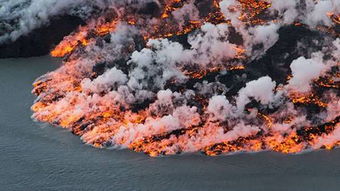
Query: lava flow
(212, 76)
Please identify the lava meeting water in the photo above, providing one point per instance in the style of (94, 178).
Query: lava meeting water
(37, 156)
(217, 78)
(256, 81)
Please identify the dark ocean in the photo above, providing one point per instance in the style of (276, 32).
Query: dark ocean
(35, 156)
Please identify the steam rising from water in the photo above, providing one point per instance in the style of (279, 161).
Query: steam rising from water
(165, 77)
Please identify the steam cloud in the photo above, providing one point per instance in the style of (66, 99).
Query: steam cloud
(157, 76)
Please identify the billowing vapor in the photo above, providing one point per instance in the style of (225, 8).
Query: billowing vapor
(171, 76)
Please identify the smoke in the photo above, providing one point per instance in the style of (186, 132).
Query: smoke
(20, 17)
(304, 71)
(219, 107)
(317, 13)
(261, 90)
(165, 77)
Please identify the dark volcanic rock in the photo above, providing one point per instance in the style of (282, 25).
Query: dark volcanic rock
(151, 8)
(276, 61)
(40, 41)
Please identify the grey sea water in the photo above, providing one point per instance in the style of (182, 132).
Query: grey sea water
(36, 157)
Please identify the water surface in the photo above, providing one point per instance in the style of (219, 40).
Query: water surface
(37, 157)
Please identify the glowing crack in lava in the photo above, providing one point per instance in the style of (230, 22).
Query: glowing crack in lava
(173, 76)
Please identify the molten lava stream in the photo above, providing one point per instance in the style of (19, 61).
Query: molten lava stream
(183, 81)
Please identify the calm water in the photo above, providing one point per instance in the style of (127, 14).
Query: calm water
(37, 157)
